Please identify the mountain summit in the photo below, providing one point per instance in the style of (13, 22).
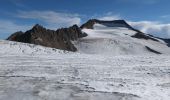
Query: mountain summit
(114, 23)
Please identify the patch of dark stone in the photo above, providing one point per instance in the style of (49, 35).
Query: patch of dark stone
(151, 50)
(143, 36)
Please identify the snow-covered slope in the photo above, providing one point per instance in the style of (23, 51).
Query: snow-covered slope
(9, 47)
(74, 76)
(112, 40)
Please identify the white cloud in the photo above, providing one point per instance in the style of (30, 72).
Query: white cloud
(8, 27)
(154, 28)
(109, 16)
(51, 18)
(165, 16)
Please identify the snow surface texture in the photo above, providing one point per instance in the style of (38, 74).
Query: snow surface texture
(9, 47)
(111, 66)
(117, 41)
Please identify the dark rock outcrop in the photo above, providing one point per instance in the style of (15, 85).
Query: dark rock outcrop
(143, 36)
(60, 39)
(15, 36)
(151, 50)
(89, 24)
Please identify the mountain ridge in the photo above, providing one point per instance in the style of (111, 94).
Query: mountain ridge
(63, 38)
(60, 39)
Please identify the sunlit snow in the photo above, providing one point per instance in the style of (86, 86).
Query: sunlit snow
(110, 65)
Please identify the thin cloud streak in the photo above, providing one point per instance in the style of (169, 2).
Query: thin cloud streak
(51, 18)
(109, 16)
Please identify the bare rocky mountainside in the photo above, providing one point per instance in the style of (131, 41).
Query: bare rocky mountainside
(60, 39)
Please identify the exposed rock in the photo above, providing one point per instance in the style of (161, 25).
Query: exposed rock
(89, 24)
(15, 36)
(143, 36)
(151, 50)
(60, 39)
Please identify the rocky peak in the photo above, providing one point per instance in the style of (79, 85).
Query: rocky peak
(37, 28)
(15, 36)
(60, 39)
(114, 23)
(89, 24)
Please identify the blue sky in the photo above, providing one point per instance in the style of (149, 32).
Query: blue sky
(150, 16)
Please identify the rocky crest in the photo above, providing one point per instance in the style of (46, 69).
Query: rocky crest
(143, 36)
(115, 23)
(60, 39)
